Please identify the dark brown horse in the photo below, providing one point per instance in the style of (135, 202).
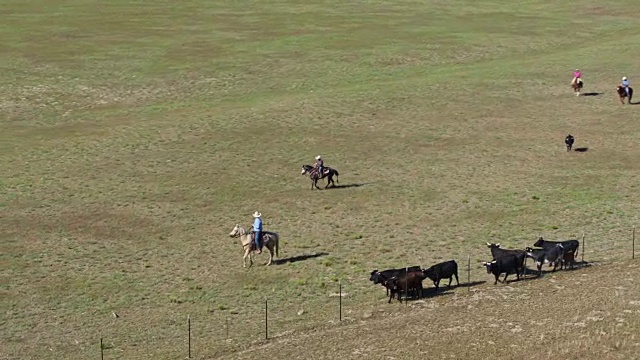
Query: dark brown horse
(622, 93)
(577, 86)
(314, 176)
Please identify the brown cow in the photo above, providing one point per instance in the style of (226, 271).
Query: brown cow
(405, 283)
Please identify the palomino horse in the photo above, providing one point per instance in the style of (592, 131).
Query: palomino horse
(270, 241)
(577, 86)
(314, 176)
(622, 93)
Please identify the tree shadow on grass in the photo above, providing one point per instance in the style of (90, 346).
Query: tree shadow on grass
(298, 258)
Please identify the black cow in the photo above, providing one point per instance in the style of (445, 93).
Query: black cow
(404, 283)
(381, 277)
(571, 246)
(569, 142)
(551, 255)
(444, 270)
(497, 252)
(568, 258)
(509, 264)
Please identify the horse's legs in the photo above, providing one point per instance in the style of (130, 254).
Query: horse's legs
(244, 259)
(270, 248)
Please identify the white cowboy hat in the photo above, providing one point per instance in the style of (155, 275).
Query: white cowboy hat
(257, 214)
(318, 157)
(624, 78)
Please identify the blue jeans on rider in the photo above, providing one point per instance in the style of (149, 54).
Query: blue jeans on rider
(320, 170)
(257, 236)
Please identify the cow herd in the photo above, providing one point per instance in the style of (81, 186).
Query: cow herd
(504, 261)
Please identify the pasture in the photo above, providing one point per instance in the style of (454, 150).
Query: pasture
(134, 135)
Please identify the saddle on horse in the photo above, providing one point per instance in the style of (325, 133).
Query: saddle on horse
(253, 241)
(325, 171)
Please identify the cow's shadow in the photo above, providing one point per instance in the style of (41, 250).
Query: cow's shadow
(532, 274)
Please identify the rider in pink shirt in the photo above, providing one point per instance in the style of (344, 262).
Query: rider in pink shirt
(576, 75)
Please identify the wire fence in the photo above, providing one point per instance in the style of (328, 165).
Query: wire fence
(279, 319)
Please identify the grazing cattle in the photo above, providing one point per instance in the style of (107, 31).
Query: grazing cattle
(571, 246)
(498, 252)
(569, 142)
(550, 255)
(437, 272)
(404, 283)
(508, 264)
(381, 277)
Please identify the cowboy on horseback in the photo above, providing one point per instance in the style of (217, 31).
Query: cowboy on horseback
(625, 84)
(319, 166)
(257, 231)
(577, 76)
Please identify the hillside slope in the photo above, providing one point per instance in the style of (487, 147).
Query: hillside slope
(584, 314)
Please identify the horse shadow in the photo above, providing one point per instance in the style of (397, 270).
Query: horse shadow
(347, 186)
(581, 149)
(592, 94)
(294, 259)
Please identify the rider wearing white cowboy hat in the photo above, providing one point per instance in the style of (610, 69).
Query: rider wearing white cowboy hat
(319, 165)
(625, 84)
(257, 231)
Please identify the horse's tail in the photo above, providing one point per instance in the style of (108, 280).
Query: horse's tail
(277, 237)
(337, 174)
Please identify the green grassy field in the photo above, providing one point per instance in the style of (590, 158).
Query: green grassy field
(134, 135)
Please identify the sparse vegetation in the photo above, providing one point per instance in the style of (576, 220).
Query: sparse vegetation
(134, 135)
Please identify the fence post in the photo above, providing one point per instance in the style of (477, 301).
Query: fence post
(189, 334)
(468, 272)
(340, 298)
(583, 248)
(266, 319)
(101, 350)
(633, 243)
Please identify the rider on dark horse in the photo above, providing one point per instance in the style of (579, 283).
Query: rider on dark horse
(625, 85)
(319, 166)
